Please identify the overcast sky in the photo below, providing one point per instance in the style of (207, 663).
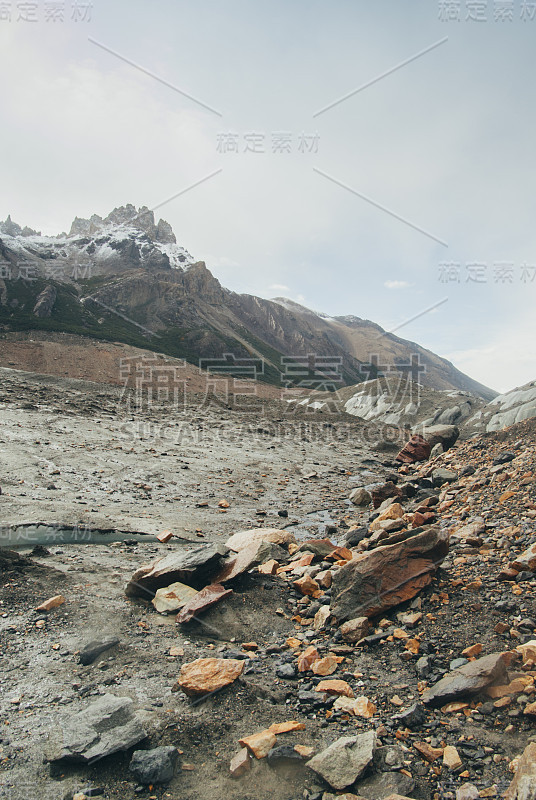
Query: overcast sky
(380, 205)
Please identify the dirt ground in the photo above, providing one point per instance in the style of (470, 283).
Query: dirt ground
(75, 456)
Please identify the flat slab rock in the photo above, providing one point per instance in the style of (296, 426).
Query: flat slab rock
(387, 576)
(173, 597)
(201, 601)
(107, 726)
(469, 679)
(258, 552)
(195, 568)
(345, 760)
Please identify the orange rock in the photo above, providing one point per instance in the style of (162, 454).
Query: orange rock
(506, 496)
(325, 666)
(269, 568)
(250, 646)
(206, 675)
(53, 602)
(428, 752)
(307, 586)
(286, 727)
(474, 650)
(259, 744)
(413, 646)
(359, 707)
(451, 708)
(307, 658)
(165, 536)
(223, 504)
(293, 643)
(303, 750)
(336, 687)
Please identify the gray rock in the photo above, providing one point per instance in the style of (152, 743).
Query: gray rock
(413, 717)
(446, 435)
(107, 726)
(441, 476)
(468, 680)
(389, 758)
(467, 792)
(360, 497)
(195, 568)
(385, 784)
(92, 650)
(342, 763)
(154, 766)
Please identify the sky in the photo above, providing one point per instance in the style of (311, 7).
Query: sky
(366, 157)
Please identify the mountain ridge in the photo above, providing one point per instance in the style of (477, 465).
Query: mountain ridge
(124, 275)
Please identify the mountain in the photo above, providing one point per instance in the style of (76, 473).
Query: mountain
(124, 278)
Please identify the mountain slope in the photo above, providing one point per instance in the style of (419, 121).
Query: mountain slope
(125, 278)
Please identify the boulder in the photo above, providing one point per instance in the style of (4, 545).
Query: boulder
(447, 435)
(344, 761)
(243, 539)
(387, 576)
(154, 766)
(417, 449)
(523, 787)
(469, 679)
(207, 675)
(195, 568)
(107, 726)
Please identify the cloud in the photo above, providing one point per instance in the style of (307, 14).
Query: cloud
(279, 287)
(397, 284)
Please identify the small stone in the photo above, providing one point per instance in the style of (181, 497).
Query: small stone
(154, 766)
(325, 666)
(307, 658)
(355, 629)
(344, 761)
(451, 758)
(53, 602)
(207, 675)
(307, 586)
(240, 763)
(360, 497)
(336, 687)
(259, 744)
